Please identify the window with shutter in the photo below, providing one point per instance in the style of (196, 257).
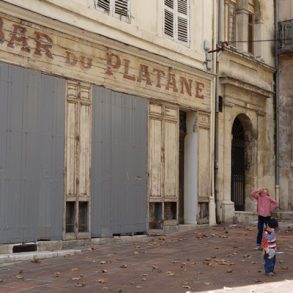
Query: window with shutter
(121, 7)
(176, 20)
(117, 8)
(103, 4)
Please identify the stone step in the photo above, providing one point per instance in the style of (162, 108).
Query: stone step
(251, 217)
(284, 215)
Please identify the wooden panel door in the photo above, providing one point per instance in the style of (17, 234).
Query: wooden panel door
(163, 165)
(78, 160)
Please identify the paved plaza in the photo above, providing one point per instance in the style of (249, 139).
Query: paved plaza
(204, 259)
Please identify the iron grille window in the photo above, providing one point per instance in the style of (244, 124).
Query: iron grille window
(117, 8)
(176, 20)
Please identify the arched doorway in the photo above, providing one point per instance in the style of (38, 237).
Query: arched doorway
(238, 166)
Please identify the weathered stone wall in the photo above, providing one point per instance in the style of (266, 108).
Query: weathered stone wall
(286, 126)
(247, 91)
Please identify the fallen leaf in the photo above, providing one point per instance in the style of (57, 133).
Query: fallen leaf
(19, 276)
(284, 268)
(74, 269)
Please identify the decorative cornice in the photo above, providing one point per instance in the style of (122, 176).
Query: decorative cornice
(227, 80)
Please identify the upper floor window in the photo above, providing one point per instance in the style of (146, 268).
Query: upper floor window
(117, 8)
(230, 18)
(240, 24)
(251, 21)
(176, 20)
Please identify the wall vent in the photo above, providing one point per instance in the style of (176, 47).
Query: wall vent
(26, 247)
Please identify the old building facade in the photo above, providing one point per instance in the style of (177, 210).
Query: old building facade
(107, 117)
(122, 117)
(245, 106)
(284, 94)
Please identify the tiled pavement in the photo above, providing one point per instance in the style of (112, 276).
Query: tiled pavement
(205, 259)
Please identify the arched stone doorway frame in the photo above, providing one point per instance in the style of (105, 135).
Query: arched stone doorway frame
(250, 156)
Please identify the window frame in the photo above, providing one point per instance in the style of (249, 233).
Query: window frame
(112, 12)
(228, 28)
(176, 16)
(251, 27)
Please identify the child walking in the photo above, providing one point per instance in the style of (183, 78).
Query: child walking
(265, 206)
(270, 246)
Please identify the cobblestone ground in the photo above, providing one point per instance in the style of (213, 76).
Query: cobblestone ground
(205, 259)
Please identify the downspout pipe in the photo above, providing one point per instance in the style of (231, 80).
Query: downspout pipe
(212, 199)
(218, 35)
(277, 102)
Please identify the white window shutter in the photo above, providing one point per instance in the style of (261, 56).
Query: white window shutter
(169, 3)
(121, 7)
(104, 4)
(169, 23)
(176, 19)
(169, 18)
(182, 20)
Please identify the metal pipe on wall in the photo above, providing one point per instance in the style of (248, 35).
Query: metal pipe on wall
(277, 103)
(212, 198)
(220, 5)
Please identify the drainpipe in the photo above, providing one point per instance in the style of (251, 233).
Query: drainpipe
(218, 39)
(212, 199)
(277, 103)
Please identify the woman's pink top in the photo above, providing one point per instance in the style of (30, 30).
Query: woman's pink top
(265, 204)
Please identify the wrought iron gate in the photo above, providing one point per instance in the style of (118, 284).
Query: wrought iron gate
(238, 166)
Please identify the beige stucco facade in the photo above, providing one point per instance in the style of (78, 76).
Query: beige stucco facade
(86, 47)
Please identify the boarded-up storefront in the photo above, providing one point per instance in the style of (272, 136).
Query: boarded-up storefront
(90, 137)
